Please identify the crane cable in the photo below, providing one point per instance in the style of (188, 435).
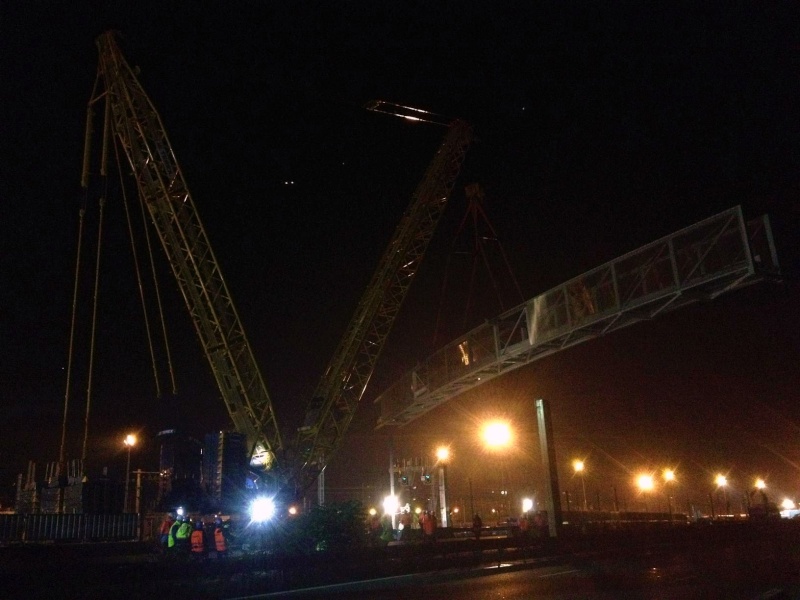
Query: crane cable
(474, 209)
(96, 294)
(135, 256)
(94, 322)
(157, 292)
(81, 214)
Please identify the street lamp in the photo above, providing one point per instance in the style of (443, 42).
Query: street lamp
(497, 434)
(645, 483)
(669, 477)
(442, 454)
(722, 482)
(130, 442)
(579, 468)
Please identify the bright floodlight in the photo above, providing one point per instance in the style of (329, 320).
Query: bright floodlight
(669, 475)
(787, 504)
(130, 440)
(443, 453)
(645, 482)
(390, 504)
(527, 504)
(721, 480)
(760, 484)
(497, 434)
(578, 466)
(262, 509)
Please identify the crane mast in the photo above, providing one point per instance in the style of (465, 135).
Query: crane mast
(162, 188)
(343, 384)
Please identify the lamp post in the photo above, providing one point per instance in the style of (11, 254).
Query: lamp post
(722, 482)
(130, 442)
(442, 455)
(645, 484)
(579, 467)
(761, 486)
(669, 477)
(497, 436)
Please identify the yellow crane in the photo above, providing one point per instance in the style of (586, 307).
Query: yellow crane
(136, 124)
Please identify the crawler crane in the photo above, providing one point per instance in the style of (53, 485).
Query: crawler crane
(133, 120)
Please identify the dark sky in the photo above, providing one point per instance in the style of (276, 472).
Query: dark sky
(599, 128)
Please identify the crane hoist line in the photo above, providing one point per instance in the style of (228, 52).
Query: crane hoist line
(133, 120)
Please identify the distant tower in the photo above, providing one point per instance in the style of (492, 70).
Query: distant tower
(179, 463)
(225, 466)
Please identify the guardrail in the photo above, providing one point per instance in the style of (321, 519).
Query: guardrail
(68, 528)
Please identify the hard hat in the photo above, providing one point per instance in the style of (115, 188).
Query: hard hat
(218, 521)
(198, 525)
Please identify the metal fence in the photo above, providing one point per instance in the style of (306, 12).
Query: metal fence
(68, 528)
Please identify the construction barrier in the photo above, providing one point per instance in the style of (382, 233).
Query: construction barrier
(68, 528)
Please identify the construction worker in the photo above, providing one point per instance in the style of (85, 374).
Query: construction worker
(428, 522)
(477, 526)
(172, 537)
(220, 543)
(182, 536)
(198, 541)
(163, 532)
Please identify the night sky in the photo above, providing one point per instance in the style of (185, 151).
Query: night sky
(600, 127)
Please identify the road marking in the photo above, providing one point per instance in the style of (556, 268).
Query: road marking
(559, 573)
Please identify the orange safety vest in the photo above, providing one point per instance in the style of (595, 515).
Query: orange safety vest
(219, 540)
(197, 541)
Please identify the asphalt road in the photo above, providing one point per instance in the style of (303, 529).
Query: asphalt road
(744, 563)
(740, 573)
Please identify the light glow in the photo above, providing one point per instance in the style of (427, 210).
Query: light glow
(760, 484)
(578, 466)
(497, 434)
(787, 504)
(130, 440)
(721, 480)
(669, 475)
(527, 504)
(262, 509)
(390, 504)
(645, 482)
(443, 453)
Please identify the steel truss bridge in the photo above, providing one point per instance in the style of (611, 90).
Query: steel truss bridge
(702, 261)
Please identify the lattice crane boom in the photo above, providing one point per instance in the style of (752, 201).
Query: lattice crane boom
(138, 127)
(343, 384)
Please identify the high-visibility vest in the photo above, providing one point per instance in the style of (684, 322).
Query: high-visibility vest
(197, 541)
(184, 531)
(173, 532)
(219, 540)
(166, 525)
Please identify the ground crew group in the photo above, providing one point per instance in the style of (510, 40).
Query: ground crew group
(179, 537)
